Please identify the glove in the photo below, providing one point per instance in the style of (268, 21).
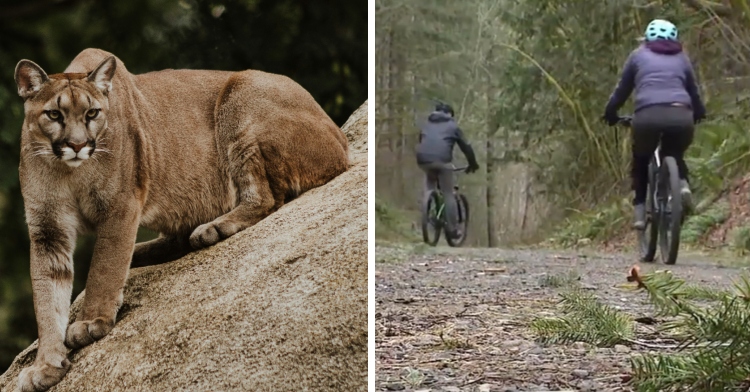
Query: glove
(611, 118)
(472, 168)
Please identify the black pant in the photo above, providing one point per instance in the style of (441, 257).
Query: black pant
(441, 174)
(673, 126)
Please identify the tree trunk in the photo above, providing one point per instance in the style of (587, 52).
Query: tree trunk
(490, 191)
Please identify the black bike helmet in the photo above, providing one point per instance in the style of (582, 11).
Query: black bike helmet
(445, 108)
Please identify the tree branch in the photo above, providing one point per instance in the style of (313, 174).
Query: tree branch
(717, 8)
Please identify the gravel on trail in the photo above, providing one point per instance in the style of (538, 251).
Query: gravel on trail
(457, 319)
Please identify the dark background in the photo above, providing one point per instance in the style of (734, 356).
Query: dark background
(321, 45)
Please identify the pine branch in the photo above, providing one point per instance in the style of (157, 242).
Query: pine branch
(719, 358)
(586, 320)
(713, 353)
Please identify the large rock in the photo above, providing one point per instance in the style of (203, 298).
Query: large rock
(281, 306)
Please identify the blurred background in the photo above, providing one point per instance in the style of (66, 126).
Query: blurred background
(322, 47)
(529, 80)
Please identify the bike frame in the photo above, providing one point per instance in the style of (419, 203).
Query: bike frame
(659, 207)
(441, 196)
(441, 205)
(658, 183)
(658, 179)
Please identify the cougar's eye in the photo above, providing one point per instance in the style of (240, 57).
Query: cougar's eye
(92, 113)
(53, 114)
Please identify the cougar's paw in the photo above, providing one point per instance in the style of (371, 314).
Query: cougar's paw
(211, 233)
(41, 377)
(83, 333)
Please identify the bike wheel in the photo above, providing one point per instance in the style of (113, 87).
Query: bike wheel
(648, 238)
(463, 221)
(671, 222)
(431, 220)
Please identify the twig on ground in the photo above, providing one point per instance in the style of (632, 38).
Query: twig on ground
(671, 346)
(473, 381)
(390, 329)
(460, 314)
(651, 345)
(611, 377)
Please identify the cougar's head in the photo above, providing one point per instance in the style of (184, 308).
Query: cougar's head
(65, 113)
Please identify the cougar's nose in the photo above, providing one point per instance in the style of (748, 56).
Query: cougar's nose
(77, 147)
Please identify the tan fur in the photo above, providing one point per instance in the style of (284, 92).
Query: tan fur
(194, 155)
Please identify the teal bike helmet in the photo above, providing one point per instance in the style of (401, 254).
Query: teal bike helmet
(661, 29)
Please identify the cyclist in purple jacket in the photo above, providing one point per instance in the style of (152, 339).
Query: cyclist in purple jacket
(667, 103)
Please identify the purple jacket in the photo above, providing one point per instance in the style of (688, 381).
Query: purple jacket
(661, 73)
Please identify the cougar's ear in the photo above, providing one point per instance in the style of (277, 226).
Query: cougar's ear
(101, 77)
(29, 78)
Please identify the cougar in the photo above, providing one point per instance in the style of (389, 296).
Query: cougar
(194, 155)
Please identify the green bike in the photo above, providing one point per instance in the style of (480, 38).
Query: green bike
(433, 216)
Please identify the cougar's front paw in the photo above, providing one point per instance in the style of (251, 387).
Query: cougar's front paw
(41, 377)
(211, 233)
(83, 333)
(204, 236)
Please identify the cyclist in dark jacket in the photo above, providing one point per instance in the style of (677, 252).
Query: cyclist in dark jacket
(667, 103)
(435, 154)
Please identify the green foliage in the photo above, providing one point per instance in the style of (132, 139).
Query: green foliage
(713, 341)
(413, 377)
(696, 226)
(594, 225)
(575, 155)
(716, 335)
(568, 279)
(391, 223)
(719, 153)
(586, 320)
(740, 237)
(531, 78)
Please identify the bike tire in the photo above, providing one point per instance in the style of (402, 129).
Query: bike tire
(427, 219)
(463, 221)
(671, 223)
(649, 238)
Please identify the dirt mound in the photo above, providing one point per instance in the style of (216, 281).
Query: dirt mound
(279, 306)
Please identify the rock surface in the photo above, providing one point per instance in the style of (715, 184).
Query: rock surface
(279, 306)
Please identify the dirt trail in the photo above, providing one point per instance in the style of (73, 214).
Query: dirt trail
(457, 319)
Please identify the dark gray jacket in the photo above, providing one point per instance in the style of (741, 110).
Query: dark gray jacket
(437, 138)
(660, 73)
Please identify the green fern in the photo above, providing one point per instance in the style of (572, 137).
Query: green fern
(586, 320)
(697, 226)
(714, 341)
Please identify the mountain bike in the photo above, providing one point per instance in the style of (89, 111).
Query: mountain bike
(664, 209)
(433, 215)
